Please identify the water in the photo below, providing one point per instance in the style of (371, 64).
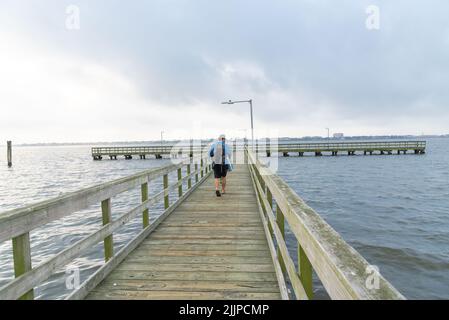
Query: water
(40, 173)
(392, 209)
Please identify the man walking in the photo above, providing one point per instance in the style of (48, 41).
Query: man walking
(220, 153)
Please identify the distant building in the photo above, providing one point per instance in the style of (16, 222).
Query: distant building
(339, 135)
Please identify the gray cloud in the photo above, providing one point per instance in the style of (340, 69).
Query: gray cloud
(312, 61)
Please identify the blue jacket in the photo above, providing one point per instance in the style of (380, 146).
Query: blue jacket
(227, 150)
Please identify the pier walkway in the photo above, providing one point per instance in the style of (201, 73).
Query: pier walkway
(200, 246)
(208, 248)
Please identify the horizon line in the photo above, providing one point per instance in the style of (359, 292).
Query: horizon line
(207, 139)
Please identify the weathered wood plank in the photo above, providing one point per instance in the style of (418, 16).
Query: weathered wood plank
(186, 285)
(206, 224)
(203, 247)
(166, 195)
(305, 272)
(209, 242)
(203, 237)
(181, 295)
(193, 276)
(22, 259)
(188, 252)
(189, 181)
(179, 182)
(201, 229)
(197, 267)
(226, 215)
(136, 258)
(145, 213)
(207, 207)
(108, 241)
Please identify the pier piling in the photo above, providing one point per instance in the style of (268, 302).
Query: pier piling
(9, 153)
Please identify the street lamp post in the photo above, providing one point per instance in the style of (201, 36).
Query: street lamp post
(251, 111)
(328, 138)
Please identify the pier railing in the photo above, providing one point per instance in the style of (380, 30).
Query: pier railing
(17, 224)
(344, 273)
(353, 146)
(265, 146)
(131, 150)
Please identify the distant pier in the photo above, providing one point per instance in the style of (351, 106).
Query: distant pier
(141, 152)
(352, 148)
(285, 149)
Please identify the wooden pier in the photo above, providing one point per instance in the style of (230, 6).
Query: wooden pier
(207, 248)
(201, 246)
(350, 148)
(128, 152)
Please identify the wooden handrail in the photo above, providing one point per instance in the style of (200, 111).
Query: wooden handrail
(340, 268)
(41, 213)
(19, 221)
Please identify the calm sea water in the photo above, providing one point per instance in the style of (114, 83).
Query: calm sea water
(393, 209)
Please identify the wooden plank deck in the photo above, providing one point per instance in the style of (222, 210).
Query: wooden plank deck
(208, 248)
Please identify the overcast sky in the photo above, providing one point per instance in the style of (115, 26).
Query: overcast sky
(135, 68)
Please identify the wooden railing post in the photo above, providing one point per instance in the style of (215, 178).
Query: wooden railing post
(196, 172)
(189, 180)
(259, 177)
(281, 224)
(270, 201)
(234, 153)
(145, 213)
(202, 168)
(270, 197)
(180, 182)
(166, 199)
(22, 259)
(108, 241)
(305, 272)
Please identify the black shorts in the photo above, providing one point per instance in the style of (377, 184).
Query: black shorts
(220, 171)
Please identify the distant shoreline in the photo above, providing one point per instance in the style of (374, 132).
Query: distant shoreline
(286, 139)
